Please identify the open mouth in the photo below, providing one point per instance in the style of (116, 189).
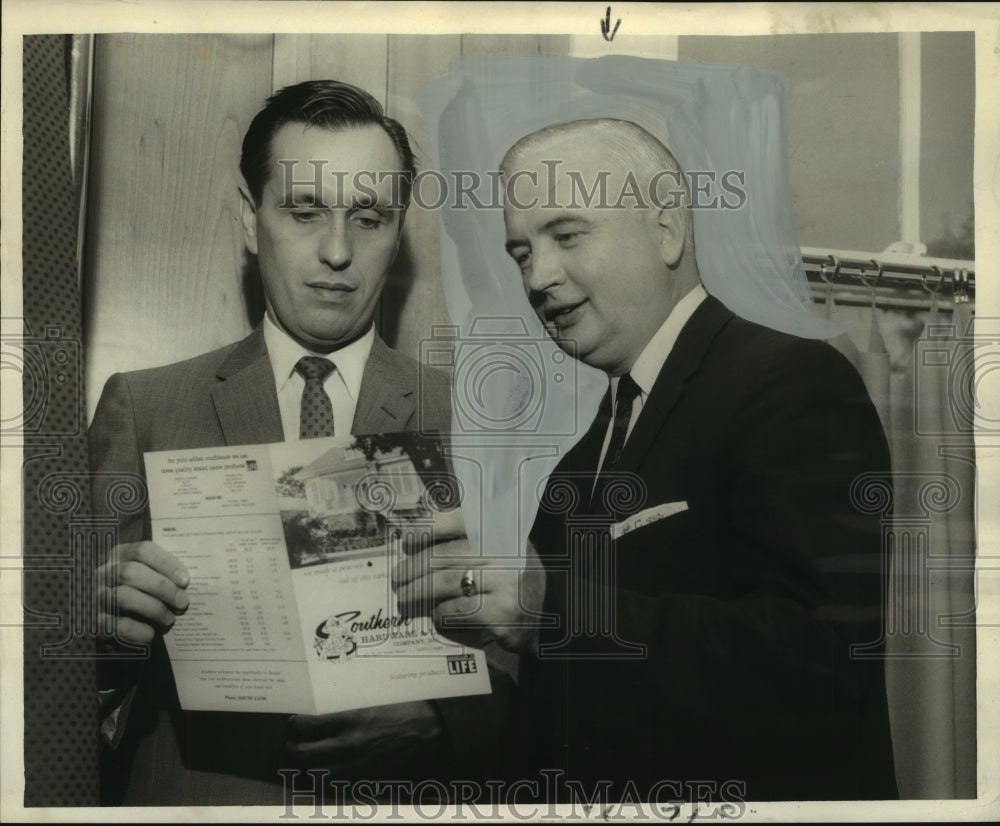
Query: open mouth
(563, 315)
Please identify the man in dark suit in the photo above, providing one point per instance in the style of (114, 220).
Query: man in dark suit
(699, 549)
(325, 224)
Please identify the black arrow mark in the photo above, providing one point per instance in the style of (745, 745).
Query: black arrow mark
(606, 30)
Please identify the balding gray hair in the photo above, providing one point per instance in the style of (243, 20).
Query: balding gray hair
(630, 145)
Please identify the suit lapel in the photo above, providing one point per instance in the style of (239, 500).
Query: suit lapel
(387, 399)
(684, 360)
(245, 397)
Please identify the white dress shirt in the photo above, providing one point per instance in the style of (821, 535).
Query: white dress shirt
(647, 367)
(342, 385)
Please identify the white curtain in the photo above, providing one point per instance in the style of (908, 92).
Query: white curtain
(923, 390)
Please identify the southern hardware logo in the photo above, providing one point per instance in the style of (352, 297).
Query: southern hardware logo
(332, 641)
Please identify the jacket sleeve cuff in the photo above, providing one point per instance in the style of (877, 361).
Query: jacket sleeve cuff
(115, 705)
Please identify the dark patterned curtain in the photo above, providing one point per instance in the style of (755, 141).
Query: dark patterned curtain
(60, 705)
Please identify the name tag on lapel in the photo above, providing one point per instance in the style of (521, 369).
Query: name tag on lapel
(646, 517)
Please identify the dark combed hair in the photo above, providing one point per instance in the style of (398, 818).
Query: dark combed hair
(326, 103)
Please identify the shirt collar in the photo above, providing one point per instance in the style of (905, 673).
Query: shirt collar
(284, 352)
(647, 367)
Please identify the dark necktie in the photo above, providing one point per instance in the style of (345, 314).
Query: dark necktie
(627, 392)
(316, 418)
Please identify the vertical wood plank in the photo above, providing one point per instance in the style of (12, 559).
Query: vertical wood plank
(548, 44)
(500, 44)
(413, 301)
(165, 262)
(358, 59)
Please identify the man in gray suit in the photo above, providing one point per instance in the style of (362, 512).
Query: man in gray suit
(326, 185)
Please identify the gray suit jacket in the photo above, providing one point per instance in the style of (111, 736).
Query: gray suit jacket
(228, 397)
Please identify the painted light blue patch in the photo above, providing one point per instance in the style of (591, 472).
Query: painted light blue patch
(512, 429)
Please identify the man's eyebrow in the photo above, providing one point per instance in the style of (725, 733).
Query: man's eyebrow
(302, 197)
(560, 220)
(307, 198)
(513, 243)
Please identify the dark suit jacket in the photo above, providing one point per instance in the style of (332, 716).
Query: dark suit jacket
(228, 397)
(746, 603)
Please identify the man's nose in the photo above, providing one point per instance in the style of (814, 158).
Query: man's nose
(335, 247)
(546, 271)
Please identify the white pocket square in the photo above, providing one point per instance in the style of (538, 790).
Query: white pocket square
(646, 517)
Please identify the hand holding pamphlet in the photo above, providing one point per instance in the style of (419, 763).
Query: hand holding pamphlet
(290, 548)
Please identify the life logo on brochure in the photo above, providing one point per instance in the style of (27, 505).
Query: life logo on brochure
(332, 641)
(461, 664)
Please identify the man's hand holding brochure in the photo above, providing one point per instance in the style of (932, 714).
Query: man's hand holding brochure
(289, 550)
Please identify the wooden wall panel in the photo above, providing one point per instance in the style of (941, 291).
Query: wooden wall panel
(165, 263)
(414, 298)
(551, 44)
(359, 59)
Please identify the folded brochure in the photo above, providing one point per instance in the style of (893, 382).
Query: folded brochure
(290, 547)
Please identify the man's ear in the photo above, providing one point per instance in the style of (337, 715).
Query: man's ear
(248, 215)
(672, 223)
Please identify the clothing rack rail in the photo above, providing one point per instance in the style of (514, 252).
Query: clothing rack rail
(898, 281)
